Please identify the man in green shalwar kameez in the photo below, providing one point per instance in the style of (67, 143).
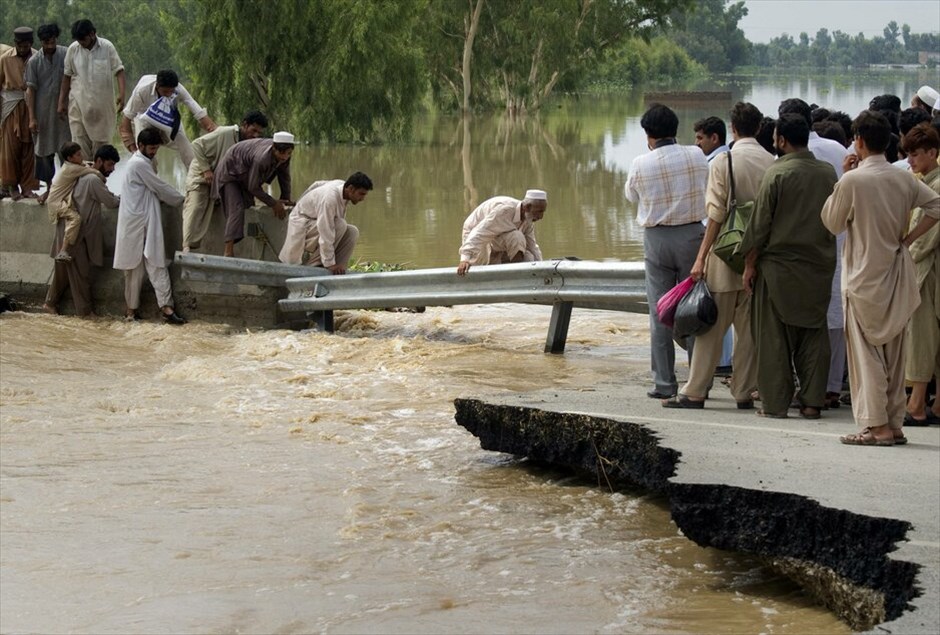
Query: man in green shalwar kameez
(791, 258)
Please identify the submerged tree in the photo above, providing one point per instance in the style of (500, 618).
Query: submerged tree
(516, 54)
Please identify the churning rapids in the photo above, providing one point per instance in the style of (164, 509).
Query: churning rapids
(196, 479)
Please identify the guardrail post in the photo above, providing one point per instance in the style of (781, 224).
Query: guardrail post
(323, 320)
(558, 327)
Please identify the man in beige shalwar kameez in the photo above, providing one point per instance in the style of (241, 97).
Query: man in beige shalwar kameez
(922, 144)
(879, 283)
(727, 286)
(500, 230)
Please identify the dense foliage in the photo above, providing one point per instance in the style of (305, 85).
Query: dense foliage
(359, 70)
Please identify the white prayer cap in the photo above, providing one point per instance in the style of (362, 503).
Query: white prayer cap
(536, 195)
(283, 137)
(928, 95)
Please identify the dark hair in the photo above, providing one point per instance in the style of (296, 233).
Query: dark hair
(82, 29)
(765, 134)
(874, 129)
(828, 129)
(255, 117)
(167, 79)
(359, 181)
(935, 122)
(660, 122)
(745, 119)
(149, 137)
(710, 126)
(796, 106)
(845, 121)
(69, 148)
(885, 102)
(911, 117)
(819, 114)
(46, 31)
(923, 136)
(283, 147)
(794, 129)
(107, 152)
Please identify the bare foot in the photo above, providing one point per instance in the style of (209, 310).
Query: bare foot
(41, 199)
(48, 308)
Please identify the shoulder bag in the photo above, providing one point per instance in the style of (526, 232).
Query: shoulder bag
(732, 231)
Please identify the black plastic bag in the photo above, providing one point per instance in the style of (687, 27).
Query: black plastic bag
(696, 313)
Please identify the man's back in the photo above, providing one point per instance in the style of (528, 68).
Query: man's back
(668, 185)
(241, 157)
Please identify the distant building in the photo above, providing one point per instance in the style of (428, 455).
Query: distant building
(926, 56)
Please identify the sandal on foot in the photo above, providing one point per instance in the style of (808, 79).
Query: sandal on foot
(865, 437)
(899, 438)
(681, 401)
(809, 412)
(831, 401)
(770, 415)
(910, 420)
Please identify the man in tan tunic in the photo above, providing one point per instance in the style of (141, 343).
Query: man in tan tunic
(727, 288)
(922, 144)
(92, 65)
(17, 162)
(500, 230)
(317, 225)
(879, 283)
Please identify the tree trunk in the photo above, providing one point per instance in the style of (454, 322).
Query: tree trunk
(472, 25)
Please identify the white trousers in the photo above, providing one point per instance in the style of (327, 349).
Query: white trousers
(134, 281)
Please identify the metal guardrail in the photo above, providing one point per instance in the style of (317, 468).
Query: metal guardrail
(227, 271)
(563, 284)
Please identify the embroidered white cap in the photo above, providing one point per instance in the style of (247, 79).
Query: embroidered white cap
(283, 137)
(536, 195)
(928, 95)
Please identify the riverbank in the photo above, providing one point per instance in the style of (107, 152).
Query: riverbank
(859, 528)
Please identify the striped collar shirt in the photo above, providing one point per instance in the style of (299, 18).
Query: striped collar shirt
(668, 186)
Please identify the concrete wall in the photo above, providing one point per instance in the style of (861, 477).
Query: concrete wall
(26, 267)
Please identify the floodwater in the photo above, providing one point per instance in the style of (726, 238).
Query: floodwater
(203, 479)
(159, 479)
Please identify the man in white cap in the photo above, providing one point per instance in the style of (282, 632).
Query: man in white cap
(239, 177)
(500, 230)
(925, 98)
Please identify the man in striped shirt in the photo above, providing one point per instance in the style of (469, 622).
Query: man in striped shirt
(668, 187)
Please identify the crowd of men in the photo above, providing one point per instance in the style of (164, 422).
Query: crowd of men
(842, 252)
(842, 257)
(61, 101)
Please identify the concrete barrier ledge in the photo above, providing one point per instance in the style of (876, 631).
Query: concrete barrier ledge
(26, 266)
(858, 528)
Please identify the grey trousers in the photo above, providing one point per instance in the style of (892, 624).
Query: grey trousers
(668, 253)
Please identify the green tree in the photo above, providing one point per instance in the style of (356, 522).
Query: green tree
(335, 69)
(710, 33)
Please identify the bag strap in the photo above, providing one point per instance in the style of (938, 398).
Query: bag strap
(733, 199)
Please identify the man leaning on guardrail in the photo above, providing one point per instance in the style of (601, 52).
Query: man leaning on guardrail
(500, 230)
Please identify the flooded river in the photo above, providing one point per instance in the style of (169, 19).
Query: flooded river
(200, 479)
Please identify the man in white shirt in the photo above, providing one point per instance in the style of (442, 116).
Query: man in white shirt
(317, 224)
(138, 245)
(151, 88)
(668, 187)
(500, 230)
(91, 66)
